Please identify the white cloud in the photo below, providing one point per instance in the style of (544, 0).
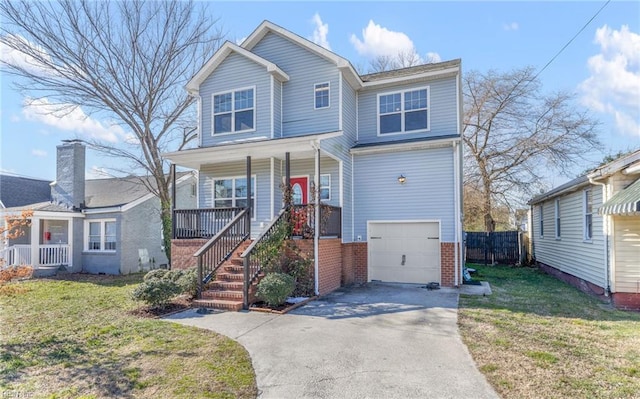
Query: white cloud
(614, 85)
(432, 58)
(70, 118)
(97, 172)
(320, 32)
(38, 153)
(511, 26)
(19, 59)
(378, 41)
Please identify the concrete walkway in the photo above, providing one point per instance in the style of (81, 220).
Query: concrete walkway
(379, 341)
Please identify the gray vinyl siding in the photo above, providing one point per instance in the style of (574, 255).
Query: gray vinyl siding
(626, 236)
(142, 228)
(304, 69)
(259, 168)
(278, 174)
(571, 253)
(442, 111)
(104, 262)
(233, 73)
(428, 193)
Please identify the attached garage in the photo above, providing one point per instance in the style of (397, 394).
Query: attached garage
(404, 251)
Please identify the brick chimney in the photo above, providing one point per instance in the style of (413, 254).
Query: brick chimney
(68, 189)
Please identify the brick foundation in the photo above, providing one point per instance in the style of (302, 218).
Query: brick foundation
(330, 265)
(182, 252)
(354, 263)
(448, 264)
(626, 300)
(582, 285)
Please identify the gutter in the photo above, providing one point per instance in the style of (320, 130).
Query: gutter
(605, 232)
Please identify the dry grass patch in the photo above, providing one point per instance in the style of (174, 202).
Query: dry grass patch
(537, 337)
(77, 338)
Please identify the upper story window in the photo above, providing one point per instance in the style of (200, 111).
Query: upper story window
(403, 112)
(101, 235)
(588, 214)
(321, 93)
(557, 211)
(234, 111)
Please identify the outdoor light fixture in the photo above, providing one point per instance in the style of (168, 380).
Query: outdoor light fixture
(402, 179)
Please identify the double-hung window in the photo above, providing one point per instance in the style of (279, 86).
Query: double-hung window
(588, 214)
(325, 187)
(234, 111)
(321, 95)
(101, 235)
(557, 212)
(403, 112)
(232, 192)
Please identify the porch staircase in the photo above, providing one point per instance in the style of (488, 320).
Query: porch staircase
(224, 292)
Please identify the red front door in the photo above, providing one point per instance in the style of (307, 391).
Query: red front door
(299, 190)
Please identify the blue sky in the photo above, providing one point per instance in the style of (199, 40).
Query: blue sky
(602, 64)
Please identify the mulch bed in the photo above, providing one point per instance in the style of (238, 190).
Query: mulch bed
(176, 305)
(282, 309)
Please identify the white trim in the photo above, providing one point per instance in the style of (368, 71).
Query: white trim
(193, 86)
(340, 100)
(315, 90)
(233, 111)
(541, 220)
(395, 147)
(199, 110)
(272, 100)
(403, 112)
(281, 110)
(458, 113)
(395, 221)
(418, 76)
(103, 235)
(357, 93)
(233, 199)
(584, 215)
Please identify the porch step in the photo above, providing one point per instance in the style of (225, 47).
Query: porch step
(226, 285)
(230, 305)
(235, 269)
(224, 295)
(228, 277)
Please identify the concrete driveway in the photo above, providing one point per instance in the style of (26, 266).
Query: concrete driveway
(377, 341)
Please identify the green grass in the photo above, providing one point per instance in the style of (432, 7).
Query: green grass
(537, 337)
(72, 339)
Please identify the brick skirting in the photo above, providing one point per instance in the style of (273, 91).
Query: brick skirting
(182, 252)
(626, 300)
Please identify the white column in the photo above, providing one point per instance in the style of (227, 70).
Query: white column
(35, 242)
(316, 238)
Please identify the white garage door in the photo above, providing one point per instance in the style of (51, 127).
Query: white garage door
(404, 252)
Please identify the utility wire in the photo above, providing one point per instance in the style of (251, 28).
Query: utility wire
(572, 39)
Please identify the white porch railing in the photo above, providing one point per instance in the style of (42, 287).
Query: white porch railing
(16, 255)
(54, 255)
(49, 255)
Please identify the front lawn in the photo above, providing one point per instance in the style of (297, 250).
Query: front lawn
(75, 338)
(537, 337)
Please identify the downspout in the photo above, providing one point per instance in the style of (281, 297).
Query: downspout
(316, 235)
(605, 228)
(456, 241)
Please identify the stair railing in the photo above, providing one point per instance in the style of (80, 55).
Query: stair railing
(259, 253)
(221, 246)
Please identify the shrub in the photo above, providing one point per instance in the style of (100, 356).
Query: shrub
(157, 274)
(275, 288)
(15, 272)
(188, 281)
(302, 272)
(155, 292)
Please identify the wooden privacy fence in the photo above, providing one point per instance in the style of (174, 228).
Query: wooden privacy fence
(498, 247)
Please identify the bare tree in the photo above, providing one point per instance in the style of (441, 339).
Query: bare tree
(403, 59)
(127, 61)
(514, 134)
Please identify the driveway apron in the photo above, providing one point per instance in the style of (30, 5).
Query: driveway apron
(377, 341)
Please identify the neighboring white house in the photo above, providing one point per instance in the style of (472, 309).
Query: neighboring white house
(587, 231)
(109, 226)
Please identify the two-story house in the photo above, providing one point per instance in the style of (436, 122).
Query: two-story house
(382, 151)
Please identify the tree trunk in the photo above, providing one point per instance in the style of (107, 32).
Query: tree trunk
(167, 228)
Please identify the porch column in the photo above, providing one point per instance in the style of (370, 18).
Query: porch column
(316, 235)
(250, 193)
(35, 243)
(287, 179)
(70, 244)
(172, 176)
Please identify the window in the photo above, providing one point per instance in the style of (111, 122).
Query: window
(232, 192)
(101, 235)
(321, 92)
(541, 221)
(588, 214)
(325, 187)
(234, 111)
(403, 112)
(557, 218)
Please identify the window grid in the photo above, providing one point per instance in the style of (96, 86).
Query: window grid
(557, 211)
(541, 221)
(234, 111)
(321, 93)
(325, 187)
(232, 192)
(588, 214)
(403, 112)
(101, 235)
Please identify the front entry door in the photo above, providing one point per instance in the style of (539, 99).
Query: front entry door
(299, 190)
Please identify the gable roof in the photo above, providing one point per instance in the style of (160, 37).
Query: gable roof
(423, 71)
(193, 86)
(16, 191)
